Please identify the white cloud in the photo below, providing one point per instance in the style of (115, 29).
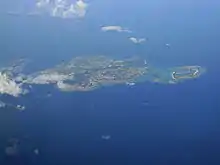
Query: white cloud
(115, 28)
(20, 107)
(9, 86)
(137, 40)
(64, 86)
(63, 8)
(130, 83)
(11, 79)
(48, 78)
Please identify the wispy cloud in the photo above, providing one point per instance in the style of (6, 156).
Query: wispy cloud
(137, 40)
(115, 28)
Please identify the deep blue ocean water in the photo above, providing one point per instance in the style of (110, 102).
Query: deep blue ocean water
(149, 123)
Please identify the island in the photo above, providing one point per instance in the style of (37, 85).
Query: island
(87, 73)
(187, 72)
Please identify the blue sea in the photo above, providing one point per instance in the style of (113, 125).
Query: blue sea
(148, 124)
